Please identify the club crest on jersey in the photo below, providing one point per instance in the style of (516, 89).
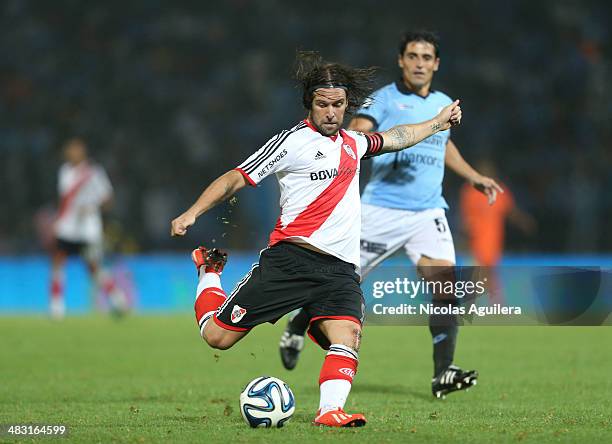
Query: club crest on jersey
(237, 313)
(347, 371)
(349, 151)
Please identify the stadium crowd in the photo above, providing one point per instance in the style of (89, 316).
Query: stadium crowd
(170, 96)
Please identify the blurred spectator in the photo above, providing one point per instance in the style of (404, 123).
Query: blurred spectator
(177, 93)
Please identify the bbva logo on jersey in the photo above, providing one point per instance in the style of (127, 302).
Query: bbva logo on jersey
(349, 151)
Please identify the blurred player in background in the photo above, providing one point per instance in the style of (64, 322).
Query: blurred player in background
(402, 205)
(84, 190)
(485, 228)
(484, 224)
(313, 255)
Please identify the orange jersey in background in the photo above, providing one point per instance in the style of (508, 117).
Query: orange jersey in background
(484, 223)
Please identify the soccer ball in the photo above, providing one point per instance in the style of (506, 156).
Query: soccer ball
(267, 402)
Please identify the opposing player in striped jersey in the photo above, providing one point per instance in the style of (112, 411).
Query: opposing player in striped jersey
(313, 253)
(84, 188)
(405, 194)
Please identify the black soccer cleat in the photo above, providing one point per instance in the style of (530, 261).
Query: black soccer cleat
(291, 344)
(451, 380)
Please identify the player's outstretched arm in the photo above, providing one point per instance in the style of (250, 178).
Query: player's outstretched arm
(219, 190)
(455, 161)
(404, 136)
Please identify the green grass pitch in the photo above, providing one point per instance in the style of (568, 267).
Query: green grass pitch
(151, 379)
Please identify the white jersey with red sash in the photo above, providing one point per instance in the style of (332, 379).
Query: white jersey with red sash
(82, 189)
(319, 186)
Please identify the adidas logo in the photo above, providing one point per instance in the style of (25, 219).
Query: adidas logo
(319, 155)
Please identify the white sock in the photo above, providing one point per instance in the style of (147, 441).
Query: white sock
(333, 394)
(207, 280)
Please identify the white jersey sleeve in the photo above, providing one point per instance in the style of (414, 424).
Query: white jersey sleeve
(102, 189)
(273, 157)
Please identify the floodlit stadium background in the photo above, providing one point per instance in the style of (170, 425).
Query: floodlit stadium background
(171, 96)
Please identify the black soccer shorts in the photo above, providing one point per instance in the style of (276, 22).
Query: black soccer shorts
(70, 248)
(289, 277)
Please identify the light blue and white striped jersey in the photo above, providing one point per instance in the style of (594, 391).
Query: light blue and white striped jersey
(409, 179)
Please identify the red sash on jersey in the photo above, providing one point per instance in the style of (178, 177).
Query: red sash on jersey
(68, 197)
(317, 212)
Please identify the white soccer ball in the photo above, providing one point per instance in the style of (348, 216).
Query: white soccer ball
(267, 402)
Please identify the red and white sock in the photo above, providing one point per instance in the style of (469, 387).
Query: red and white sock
(210, 296)
(57, 285)
(339, 368)
(105, 282)
(57, 307)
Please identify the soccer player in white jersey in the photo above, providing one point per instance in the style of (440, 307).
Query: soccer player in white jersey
(313, 254)
(405, 193)
(84, 188)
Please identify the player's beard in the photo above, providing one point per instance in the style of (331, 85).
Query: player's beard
(328, 130)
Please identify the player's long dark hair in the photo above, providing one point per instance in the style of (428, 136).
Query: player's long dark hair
(312, 72)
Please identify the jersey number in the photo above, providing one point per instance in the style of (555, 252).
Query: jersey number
(440, 225)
